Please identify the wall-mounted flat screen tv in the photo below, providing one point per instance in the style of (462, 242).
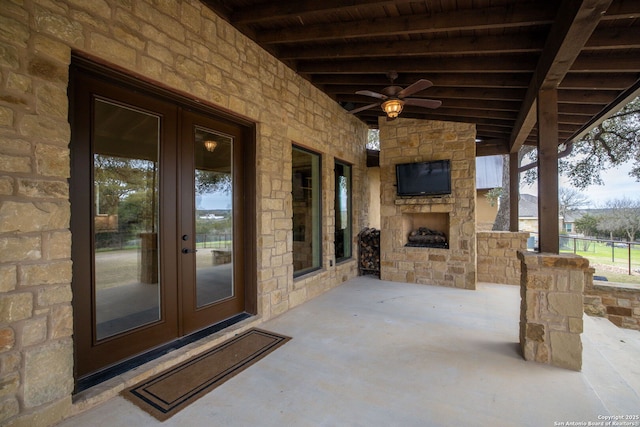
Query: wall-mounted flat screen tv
(424, 178)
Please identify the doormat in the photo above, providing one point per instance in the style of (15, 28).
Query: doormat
(172, 390)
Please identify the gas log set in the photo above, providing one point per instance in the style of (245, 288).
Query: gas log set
(425, 237)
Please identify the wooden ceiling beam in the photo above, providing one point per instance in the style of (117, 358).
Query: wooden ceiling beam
(622, 9)
(597, 62)
(516, 43)
(582, 109)
(479, 114)
(462, 104)
(470, 113)
(519, 15)
(425, 114)
(440, 93)
(598, 81)
(492, 147)
(586, 97)
(615, 105)
(373, 82)
(574, 81)
(219, 8)
(572, 28)
(276, 10)
(486, 129)
(574, 119)
(483, 64)
(564, 131)
(613, 39)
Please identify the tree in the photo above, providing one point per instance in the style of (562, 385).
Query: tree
(212, 182)
(115, 178)
(502, 217)
(610, 144)
(570, 200)
(373, 139)
(622, 218)
(587, 224)
(613, 142)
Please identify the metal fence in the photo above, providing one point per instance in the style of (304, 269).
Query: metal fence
(620, 253)
(214, 240)
(119, 241)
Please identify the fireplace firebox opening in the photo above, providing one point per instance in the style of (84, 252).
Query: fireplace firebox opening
(425, 237)
(426, 230)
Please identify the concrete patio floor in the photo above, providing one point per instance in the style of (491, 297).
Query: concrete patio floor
(376, 353)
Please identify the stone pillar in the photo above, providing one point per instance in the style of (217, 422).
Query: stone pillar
(551, 311)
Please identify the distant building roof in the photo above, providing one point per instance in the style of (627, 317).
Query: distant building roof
(528, 206)
(488, 172)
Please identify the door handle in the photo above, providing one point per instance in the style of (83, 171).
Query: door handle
(189, 251)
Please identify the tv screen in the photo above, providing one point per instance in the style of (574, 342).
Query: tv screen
(424, 178)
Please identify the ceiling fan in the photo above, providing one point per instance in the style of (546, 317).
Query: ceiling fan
(394, 98)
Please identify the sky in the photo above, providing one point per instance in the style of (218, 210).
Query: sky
(213, 201)
(617, 185)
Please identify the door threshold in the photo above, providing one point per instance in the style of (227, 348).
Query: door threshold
(101, 386)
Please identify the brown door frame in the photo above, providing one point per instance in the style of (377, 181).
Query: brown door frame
(84, 74)
(194, 318)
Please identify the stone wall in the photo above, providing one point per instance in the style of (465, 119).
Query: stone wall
(498, 256)
(551, 309)
(618, 302)
(179, 45)
(407, 141)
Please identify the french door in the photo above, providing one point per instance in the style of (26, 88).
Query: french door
(161, 240)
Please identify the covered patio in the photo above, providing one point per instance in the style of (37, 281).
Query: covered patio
(279, 82)
(378, 353)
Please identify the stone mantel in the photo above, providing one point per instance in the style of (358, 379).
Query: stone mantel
(426, 201)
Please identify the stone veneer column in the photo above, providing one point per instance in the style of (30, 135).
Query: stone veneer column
(551, 310)
(408, 141)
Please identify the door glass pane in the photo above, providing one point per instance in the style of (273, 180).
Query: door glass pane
(213, 216)
(306, 211)
(125, 171)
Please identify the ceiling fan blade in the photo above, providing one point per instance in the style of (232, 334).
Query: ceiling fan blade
(426, 103)
(366, 107)
(421, 84)
(371, 94)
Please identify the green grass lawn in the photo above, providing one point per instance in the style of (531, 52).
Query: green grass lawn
(613, 263)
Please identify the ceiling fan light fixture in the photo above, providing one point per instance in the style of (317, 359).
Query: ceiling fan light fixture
(392, 107)
(210, 145)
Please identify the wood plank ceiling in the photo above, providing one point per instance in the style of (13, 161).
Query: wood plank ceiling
(487, 59)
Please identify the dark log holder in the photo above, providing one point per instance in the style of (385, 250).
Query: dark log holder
(369, 245)
(425, 237)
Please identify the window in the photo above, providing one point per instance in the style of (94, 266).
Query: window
(342, 239)
(306, 211)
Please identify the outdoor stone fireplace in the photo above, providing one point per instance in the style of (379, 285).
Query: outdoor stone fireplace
(452, 216)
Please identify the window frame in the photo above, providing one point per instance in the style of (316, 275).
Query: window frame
(349, 218)
(317, 232)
